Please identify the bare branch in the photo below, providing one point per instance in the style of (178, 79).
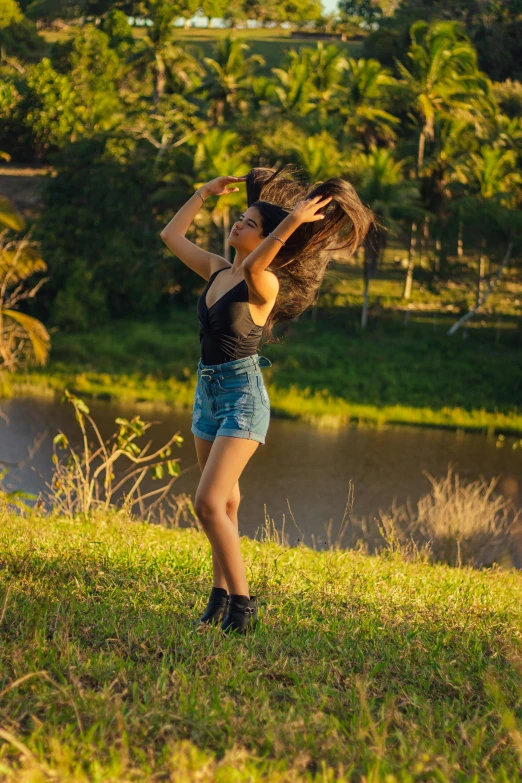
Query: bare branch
(486, 294)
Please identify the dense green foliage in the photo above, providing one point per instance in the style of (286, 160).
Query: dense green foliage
(104, 266)
(132, 122)
(494, 27)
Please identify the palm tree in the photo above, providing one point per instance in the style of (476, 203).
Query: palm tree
(444, 80)
(328, 64)
(218, 153)
(261, 94)
(494, 174)
(391, 197)
(318, 155)
(157, 53)
(453, 140)
(508, 132)
(18, 261)
(229, 75)
(294, 87)
(494, 188)
(363, 92)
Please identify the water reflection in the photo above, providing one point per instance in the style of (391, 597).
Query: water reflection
(300, 471)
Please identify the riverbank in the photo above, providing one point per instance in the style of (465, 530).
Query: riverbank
(362, 668)
(325, 372)
(318, 409)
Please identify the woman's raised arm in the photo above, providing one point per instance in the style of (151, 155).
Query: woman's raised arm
(197, 259)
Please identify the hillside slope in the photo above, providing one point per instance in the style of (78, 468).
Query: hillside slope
(362, 668)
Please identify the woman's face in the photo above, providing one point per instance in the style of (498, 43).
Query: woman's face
(245, 234)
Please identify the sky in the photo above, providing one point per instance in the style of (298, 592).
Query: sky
(329, 5)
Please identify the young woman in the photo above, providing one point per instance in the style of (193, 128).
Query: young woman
(282, 247)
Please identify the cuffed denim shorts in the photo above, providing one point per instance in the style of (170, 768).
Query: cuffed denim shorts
(231, 399)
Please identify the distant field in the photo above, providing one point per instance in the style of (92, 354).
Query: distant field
(270, 44)
(272, 49)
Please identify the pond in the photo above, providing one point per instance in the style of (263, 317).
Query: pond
(301, 472)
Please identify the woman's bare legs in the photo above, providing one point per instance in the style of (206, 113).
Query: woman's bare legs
(225, 462)
(203, 450)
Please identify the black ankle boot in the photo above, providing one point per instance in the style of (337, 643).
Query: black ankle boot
(239, 617)
(216, 608)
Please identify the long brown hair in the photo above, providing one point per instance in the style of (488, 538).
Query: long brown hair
(301, 263)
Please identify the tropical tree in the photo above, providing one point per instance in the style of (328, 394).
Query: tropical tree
(105, 265)
(228, 78)
(294, 89)
(94, 68)
(296, 11)
(319, 155)
(220, 152)
(368, 10)
(22, 337)
(166, 126)
(392, 198)
(444, 80)
(364, 93)
(9, 12)
(157, 52)
(494, 174)
(491, 204)
(213, 8)
(454, 139)
(234, 12)
(48, 107)
(328, 64)
(261, 94)
(508, 132)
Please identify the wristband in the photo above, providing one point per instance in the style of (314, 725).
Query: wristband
(200, 195)
(278, 238)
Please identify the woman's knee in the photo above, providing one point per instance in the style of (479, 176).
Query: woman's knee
(233, 500)
(207, 505)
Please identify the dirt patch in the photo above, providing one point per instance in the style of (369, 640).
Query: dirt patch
(21, 185)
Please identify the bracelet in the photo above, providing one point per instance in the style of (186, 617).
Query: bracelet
(199, 194)
(271, 234)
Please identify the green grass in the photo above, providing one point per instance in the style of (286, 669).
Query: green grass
(271, 44)
(272, 48)
(403, 369)
(326, 372)
(362, 668)
(343, 286)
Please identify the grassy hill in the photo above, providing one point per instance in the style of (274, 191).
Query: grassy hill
(362, 668)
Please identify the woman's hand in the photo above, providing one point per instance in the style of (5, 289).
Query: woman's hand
(305, 211)
(217, 187)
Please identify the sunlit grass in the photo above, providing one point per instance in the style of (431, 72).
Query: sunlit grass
(402, 370)
(362, 668)
(343, 286)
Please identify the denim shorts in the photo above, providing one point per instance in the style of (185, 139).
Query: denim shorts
(231, 399)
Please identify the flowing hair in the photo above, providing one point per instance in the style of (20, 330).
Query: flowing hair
(300, 264)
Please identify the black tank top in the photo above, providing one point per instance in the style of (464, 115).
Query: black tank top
(227, 329)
